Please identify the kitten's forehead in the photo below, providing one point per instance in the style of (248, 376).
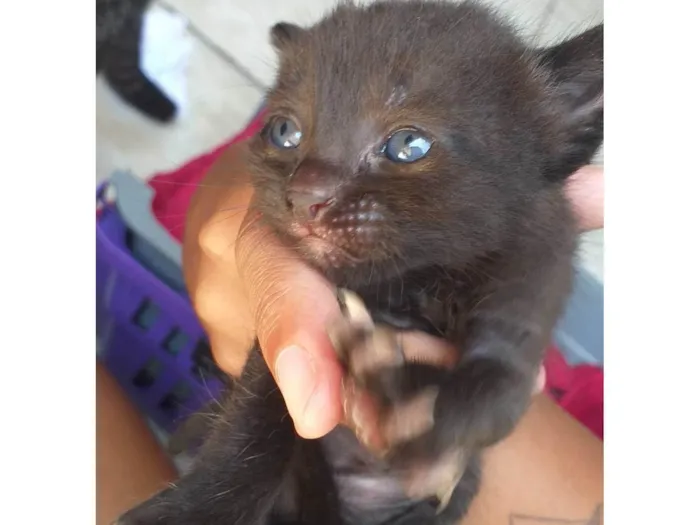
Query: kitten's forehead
(395, 61)
(409, 41)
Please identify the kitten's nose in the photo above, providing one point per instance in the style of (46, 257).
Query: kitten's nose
(308, 204)
(311, 189)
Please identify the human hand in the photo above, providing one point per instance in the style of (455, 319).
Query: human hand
(244, 283)
(586, 190)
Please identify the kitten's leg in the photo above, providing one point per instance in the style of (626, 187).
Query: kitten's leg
(428, 422)
(389, 394)
(242, 466)
(389, 401)
(502, 340)
(124, 75)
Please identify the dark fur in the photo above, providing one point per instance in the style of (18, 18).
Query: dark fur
(474, 243)
(119, 28)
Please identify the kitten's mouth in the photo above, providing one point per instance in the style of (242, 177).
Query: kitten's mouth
(341, 235)
(299, 231)
(315, 242)
(325, 253)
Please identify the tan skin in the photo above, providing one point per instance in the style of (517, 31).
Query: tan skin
(244, 283)
(130, 462)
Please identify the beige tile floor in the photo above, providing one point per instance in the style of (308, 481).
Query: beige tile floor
(232, 62)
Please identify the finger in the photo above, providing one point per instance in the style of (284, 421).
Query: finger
(292, 306)
(223, 311)
(361, 413)
(585, 189)
(214, 217)
(420, 347)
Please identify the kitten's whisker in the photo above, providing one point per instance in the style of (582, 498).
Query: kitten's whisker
(229, 217)
(184, 214)
(206, 387)
(192, 184)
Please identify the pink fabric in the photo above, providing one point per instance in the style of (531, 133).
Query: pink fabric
(174, 189)
(578, 390)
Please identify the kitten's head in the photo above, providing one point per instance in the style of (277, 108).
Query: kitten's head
(407, 134)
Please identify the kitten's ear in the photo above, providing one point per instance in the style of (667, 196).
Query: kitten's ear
(576, 67)
(284, 34)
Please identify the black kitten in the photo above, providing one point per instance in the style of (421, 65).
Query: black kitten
(415, 153)
(119, 27)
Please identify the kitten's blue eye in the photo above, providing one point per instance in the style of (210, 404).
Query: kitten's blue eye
(407, 145)
(284, 133)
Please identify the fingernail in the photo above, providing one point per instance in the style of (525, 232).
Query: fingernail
(297, 380)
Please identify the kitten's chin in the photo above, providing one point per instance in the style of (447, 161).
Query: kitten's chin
(324, 254)
(319, 250)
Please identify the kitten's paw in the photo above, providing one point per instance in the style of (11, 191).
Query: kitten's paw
(390, 388)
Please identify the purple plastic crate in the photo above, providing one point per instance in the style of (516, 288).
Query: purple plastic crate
(149, 336)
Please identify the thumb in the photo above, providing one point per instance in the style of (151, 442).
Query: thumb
(292, 305)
